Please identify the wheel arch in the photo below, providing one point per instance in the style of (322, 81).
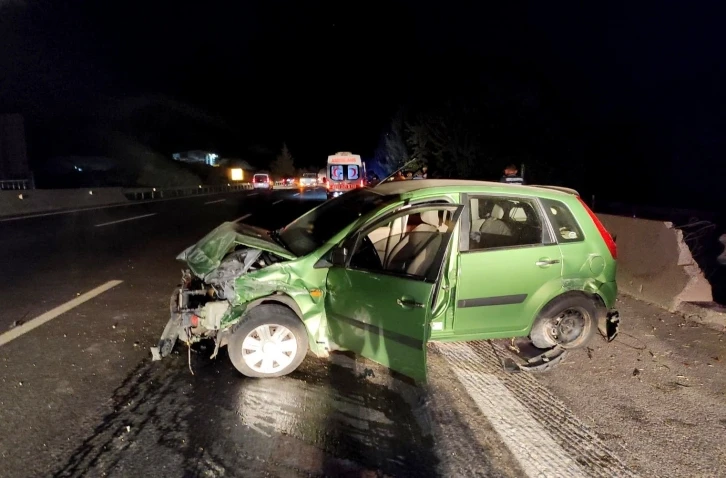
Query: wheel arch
(285, 300)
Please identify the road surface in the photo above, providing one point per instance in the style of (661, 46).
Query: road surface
(81, 397)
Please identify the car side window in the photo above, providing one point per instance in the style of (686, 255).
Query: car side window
(564, 223)
(405, 245)
(498, 222)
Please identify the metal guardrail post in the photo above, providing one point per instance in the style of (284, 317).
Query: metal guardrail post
(14, 184)
(155, 193)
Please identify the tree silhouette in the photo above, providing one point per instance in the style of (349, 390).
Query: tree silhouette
(284, 164)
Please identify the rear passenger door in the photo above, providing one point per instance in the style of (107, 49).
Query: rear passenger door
(509, 265)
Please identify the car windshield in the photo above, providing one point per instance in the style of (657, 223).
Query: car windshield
(312, 230)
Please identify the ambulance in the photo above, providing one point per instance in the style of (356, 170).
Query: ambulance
(346, 172)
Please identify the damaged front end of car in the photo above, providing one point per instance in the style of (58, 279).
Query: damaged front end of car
(206, 304)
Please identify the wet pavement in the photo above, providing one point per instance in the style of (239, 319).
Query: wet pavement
(81, 397)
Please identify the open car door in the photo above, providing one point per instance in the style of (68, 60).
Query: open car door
(381, 286)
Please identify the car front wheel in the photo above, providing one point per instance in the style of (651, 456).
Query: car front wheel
(270, 341)
(569, 321)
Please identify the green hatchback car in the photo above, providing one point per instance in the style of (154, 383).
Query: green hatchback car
(383, 271)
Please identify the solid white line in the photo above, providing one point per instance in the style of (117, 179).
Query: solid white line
(296, 194)
(13, 334)
(277, 202)
(212, 202)
(130, 203)
(252, 194)
(242, 218)
(530, 443)
(127, 219)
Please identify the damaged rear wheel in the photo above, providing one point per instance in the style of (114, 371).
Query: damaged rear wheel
(569, 321)
(270, 341)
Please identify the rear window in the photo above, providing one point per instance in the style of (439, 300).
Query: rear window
(340, 172)
(260, 178)
(310, 175)
(563, 222)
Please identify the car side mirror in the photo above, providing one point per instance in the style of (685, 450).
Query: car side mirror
(338, 256)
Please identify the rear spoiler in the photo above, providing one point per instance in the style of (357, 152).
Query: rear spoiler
(557, 188)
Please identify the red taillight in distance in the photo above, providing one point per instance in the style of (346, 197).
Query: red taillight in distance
(609, 241)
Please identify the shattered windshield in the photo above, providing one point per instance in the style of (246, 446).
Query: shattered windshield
(312, 230)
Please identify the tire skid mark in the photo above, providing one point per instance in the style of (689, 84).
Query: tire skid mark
(517, 404)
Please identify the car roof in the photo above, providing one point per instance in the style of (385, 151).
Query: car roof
(463, 186)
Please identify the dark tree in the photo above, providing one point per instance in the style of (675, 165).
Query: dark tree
(283, 165)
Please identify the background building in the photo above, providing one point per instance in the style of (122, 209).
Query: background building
(197, 157)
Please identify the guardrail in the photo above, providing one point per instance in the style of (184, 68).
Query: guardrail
(14, 184)
(138, 194)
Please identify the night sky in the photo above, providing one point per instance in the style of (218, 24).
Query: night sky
(326, 77)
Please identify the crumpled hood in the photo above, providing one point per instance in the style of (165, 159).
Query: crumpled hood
(206, 255)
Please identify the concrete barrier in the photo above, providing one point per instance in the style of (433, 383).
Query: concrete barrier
(655, 264)
(17, 203)
(34, 201)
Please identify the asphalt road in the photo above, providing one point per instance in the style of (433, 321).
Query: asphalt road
(81, 397)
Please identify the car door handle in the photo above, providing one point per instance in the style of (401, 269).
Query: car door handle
(547, 262)
(408, 303)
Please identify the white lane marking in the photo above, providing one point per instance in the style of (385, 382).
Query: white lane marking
(252, 194)
(127, 219)
(520, 408)
(537, 453)
(212, 202)
(125, 204)
(277, 202)
(296, 194)
(13, 334)
(242, 218)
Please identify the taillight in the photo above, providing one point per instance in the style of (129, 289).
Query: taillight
(612, 247)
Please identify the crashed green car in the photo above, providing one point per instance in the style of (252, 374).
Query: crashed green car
(383, 271)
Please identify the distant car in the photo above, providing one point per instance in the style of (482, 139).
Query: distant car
(309, 180)
(288, 181)
(262, 181)
(380, 272)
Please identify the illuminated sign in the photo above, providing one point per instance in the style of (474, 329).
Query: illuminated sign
(236, 174)
(352, 159)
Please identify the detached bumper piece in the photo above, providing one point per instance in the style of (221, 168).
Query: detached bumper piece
(167, 341)
(612, 325)
(181, 318)
(171, 332)
(521, 355)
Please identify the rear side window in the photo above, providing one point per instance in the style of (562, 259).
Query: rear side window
(503, 222)
(564, 223)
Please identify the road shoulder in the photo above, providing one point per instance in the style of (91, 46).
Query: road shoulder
(656, 394)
